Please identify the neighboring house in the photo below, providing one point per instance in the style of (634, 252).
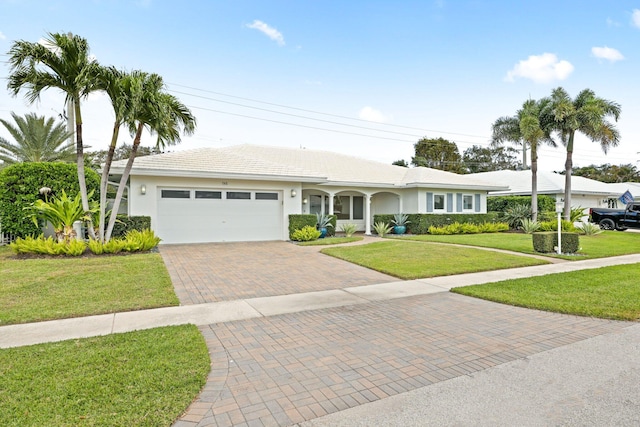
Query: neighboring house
(585, 192)
(622, 187)
(247, 192)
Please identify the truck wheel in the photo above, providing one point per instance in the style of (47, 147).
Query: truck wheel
(607, 224)
(621, 227)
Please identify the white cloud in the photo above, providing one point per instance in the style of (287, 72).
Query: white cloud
(372, 115)
(608, 53)
(543, 68)
(635, 18)
(270, 32)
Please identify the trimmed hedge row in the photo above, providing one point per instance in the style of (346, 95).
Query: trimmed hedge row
(129, 223)
(545, 242)
(20, 184)
(502, 203)
(420, 223)
(299, 221)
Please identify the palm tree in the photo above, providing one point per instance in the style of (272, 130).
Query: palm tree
(149, 107)
(61, 62)
(36, 140)
(528, 126)
(587, 114)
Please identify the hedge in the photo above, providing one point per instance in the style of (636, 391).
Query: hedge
(20, 184)
(128, 223)
(299, 221)
(420, 223)
(546, 241)
(502, 203)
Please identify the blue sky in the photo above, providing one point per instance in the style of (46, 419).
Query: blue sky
(393, 71)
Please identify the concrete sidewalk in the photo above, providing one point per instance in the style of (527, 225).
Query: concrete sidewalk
(227, 311)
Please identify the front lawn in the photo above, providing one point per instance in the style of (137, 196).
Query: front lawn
(331, 241)
(144, 378)
(414, 260)
(40, 289)
(608, 292)
(608, 243)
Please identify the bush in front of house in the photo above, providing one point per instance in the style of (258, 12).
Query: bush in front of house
(306, 234)
(299, 221)
(420, 223)
(20, 184)
(468, 228)
(547, 241)
(125, 223)
(502, 203)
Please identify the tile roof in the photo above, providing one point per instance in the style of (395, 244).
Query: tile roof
(278, 163)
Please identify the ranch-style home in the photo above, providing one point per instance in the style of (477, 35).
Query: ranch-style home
(247, 192)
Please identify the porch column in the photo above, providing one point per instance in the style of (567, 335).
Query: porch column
(331, 203)
(367, 214)
(400, 204)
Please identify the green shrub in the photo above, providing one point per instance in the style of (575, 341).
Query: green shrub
(141, 241)
(553, 225)
(47, 246)
(126, 223)
(420, 223)
(298, 222)
(348, 229)
(502, 203)
(20, 184)
(515, 214)
(588, 229)
(468, 228)
(546, 241)
(493, 227)
(306, 234)
(529, 226)
(382, 228)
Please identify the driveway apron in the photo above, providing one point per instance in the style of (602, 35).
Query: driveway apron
(204, 273)
(283, 370)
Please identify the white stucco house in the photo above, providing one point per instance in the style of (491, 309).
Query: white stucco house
(585, 192)
(247, 192)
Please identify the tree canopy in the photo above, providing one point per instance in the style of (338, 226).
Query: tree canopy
(486, 159)
(438, 153)
(608, 173)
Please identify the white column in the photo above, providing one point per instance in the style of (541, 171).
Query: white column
(331, 203)
(367, 214)
(400, 204)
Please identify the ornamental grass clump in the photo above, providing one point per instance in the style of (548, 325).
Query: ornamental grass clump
(382, 228)
(348, 229)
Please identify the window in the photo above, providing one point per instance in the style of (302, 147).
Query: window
(175, 194)
(201, 194)
(438, 202)
(266, 196)
(467, 202)
(358, 207)
(315, 204)
(238, 195)
(342, 209)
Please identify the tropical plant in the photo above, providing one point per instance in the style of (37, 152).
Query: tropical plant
(36, 140)
(515, 214)
(62, 62)
(527, 127)
(382, 228)
(348, 229)
(588, 228)
(400, 219)
(61, 212)
(306, 234)
(529, 226)
(47, 246)
(323, 221)
(149, 107)
(587, 114)
(577, 214)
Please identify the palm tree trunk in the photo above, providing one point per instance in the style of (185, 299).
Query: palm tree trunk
(568, 166)
(534, 183)
(82, 183)
(104, 181)
(524, 155)
(123, 182)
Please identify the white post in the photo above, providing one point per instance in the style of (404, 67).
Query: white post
(367, 214)
(330, 203)
(559, 233)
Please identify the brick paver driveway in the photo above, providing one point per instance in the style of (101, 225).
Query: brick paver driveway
(215, 272)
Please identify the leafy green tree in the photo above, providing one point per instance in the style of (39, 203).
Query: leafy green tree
(528, 127)
(486, 159)
(36, 140)
(609, 173)
(401, 162)
(62, 62)
(587, 114)
(438, 153)
(150, 107)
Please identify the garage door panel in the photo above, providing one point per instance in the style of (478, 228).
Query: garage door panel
(219, 220)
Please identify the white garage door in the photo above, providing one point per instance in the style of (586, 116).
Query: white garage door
(199, 215)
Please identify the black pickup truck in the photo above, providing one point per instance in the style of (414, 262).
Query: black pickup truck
(618, 219)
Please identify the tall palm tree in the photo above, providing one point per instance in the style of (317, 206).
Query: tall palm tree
(61, 62)
(587, 114)
(36, 140)
(528, 127)
(149, 107)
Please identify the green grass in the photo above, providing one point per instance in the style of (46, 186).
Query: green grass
(608, 292)
(53, 288)
(413, 260)
(331, 241)
(144, 378)
(608, 243)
